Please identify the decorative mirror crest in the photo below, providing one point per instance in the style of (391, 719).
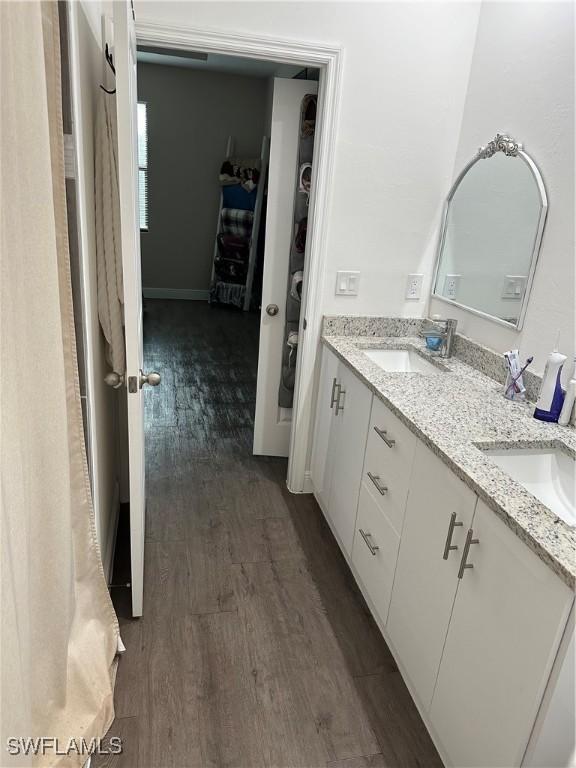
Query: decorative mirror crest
(500, 143)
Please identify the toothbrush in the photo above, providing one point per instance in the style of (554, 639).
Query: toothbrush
(515, 379)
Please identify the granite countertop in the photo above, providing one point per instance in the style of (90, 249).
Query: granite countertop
(457, 412)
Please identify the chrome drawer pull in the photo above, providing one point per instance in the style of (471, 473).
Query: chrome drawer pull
(463, 563)
(372, 547)
(448, 547)
(382, 489)
(334, 396)
(390, 442)
(338, 406)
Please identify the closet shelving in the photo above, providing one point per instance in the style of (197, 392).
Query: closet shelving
(243, 289)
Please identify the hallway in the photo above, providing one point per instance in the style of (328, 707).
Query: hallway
(255, 648)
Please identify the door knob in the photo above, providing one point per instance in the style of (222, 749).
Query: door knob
(114, 379)
(272, 309)
(152, 378)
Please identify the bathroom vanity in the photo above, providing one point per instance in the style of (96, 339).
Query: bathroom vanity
(468, 575)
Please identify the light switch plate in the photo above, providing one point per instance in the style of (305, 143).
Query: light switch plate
(414, 287)
(347, 283)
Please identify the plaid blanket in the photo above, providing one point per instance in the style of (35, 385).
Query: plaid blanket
(236, 222)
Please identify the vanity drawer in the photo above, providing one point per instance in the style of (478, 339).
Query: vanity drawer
(388, 462)
(375, 551)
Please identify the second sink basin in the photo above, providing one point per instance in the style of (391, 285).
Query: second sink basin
(547, 473)
(400, 361)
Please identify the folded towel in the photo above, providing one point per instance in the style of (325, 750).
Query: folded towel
(236, 222)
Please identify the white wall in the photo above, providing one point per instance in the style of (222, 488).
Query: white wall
(191, 114)
(522, 81)
(404, 81)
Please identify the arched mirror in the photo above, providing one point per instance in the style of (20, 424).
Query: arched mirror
(491, 233)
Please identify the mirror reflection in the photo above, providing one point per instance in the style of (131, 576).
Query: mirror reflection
(491, 233)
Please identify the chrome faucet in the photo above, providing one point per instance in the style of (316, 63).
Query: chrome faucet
(447, 336)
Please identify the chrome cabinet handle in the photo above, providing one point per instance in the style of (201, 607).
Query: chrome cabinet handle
(390, 442)
(334, 396)
(382, 489)
(463, 564)
(448, 546)
(338, 406)
(367, 536)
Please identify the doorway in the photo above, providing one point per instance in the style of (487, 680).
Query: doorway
(223, 216)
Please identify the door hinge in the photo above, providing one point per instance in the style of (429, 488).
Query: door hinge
(132, 384)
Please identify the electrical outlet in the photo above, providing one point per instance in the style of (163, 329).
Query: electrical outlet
(451, 284)
(414, 287)
(514, 287)
(347, 283)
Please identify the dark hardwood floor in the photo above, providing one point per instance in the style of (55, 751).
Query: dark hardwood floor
(255, 648)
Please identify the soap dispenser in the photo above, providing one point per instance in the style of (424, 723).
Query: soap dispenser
(551, 396)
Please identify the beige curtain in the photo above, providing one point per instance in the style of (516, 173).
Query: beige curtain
(59, 633)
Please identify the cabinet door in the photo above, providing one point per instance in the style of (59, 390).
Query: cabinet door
(425, 583)
(323, 448)
(351, 429)
(508, 618)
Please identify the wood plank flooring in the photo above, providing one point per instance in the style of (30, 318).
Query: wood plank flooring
(256, 648)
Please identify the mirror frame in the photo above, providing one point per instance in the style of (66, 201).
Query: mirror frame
(511, 148)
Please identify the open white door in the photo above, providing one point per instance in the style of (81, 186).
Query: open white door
(272, 424)
(126, 99)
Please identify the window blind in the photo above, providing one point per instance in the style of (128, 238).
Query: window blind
(143, 163)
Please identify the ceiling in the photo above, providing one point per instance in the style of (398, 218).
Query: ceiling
(214, 62)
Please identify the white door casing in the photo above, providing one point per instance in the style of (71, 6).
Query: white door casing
(272, 424)
(126, 99)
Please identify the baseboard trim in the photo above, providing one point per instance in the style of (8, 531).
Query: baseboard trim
(308, 486)
(187, 294)
(108, 553)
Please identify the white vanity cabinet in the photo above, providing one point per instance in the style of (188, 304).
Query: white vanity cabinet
(473, 617)
(508, 618)
(438, 515)
(342, 415)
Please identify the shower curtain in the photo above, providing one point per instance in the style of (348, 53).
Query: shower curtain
(59, 634)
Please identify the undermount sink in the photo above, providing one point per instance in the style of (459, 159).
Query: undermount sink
(547, 473)
(400, 361)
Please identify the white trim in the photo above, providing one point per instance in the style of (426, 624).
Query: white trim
(329, 59)
(109, 546)
(189, 294)
(308, 485)
(84, 215)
